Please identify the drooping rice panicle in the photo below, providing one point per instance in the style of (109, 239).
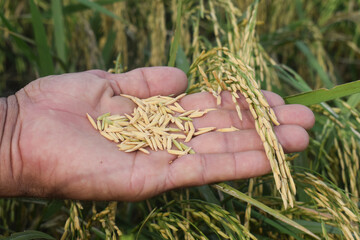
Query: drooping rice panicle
(239, 78)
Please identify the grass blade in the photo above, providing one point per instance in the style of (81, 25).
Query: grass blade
(313, 63)
(59, 30)
(30, 234)
(294, 79)
(46, 66)
(316, 227)
(176, 40)
(19, 40)
(208, 195)
(274, 224)
(97, 7)
(323, 95)
(108, 47)
(237, 194)
(181, 61)
(78, 7)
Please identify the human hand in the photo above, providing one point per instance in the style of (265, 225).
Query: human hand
(55, 152)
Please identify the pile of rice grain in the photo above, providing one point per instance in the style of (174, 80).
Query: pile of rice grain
(149, 126)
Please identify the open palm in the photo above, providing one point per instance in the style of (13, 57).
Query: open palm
(61, 155)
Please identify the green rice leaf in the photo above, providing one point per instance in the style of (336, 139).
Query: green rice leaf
(208, 195)
(273, 223)
(97, 7)
(29, 234)
(59, 30)
(316, 227)
(51, 209)
(313, 63)
(181, 61)
(291, 77)
(20, 41)
(46, 66)
(176, 40)
(323, 95)
(108, 47)
(76, 7)
(354, 100)
(237, 194)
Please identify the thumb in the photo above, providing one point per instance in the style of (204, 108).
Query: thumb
(150, 81)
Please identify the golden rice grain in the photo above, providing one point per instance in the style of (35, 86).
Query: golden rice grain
(186, 113)
(196, 114)
(176, 152)
(120, 137)
(98, 124)
(187, 127)
(91, 120)
(168, 143)
(138, 146)
(154, 143)
(158, 142)
(204, 130)
(230, 129)
(238, 110)
(189, 135)
(179, 124)
(107, 136)
(176, 136)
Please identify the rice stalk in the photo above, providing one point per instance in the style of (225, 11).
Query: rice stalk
(199, 214)
(339, 209)
(157, 30)
(73, 225)
(106, 218)
(235, 76)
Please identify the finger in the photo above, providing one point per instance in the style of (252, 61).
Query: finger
(117, 105)
(147, 82)
(205, 100)
(292, 138)
(199, 169)
(286, 115)
(295, 114)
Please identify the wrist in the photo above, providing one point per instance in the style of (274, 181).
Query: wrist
(8, 146)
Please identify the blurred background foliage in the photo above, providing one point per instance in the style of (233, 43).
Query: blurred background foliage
(294, 46)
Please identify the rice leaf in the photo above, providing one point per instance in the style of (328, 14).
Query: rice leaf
(29, 234)
(323, 95)
(108, 47)
(208, 195)
(98, 233)
(59, 30)
(181, 61)
(176, 40)
(76, 7)
(237, 194)
(97, 7)
(46, 66)
(21, 41)
(313, 63)
(128, 237)
(354, 100)
(316, 227)
(51, 209)
(291, 77)
(144, 222)
(274, 224)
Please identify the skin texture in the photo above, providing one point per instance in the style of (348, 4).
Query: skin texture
(53, 151)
